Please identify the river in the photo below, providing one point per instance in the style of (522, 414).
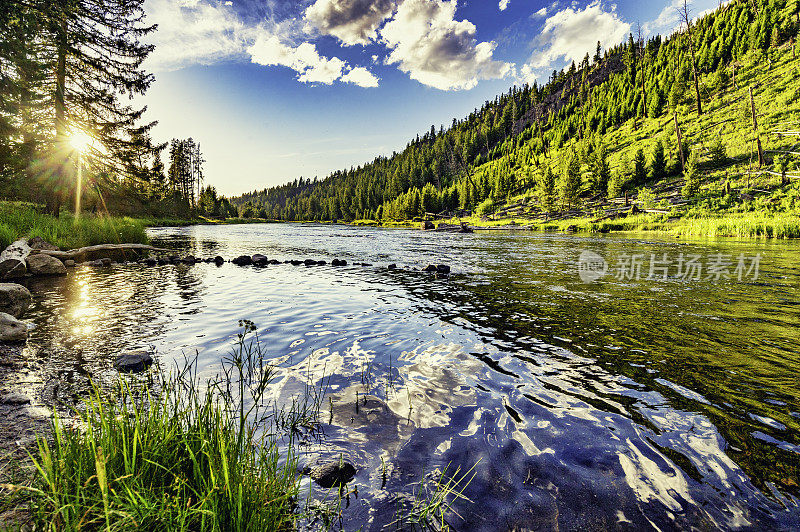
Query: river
(634, 402)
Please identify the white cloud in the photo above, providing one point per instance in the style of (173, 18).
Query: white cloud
(504, 4)
(361, 77)
(193, 32)
(667, 21)
(351, 21)
(268, 50)
(436, 50)
(570, 33)
(541, 13)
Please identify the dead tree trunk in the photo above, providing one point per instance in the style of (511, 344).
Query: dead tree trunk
(680, 142)
(755, 129)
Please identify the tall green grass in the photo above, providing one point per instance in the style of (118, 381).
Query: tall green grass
(18, 220)
(173, 453)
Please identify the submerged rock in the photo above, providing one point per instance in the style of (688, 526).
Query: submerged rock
(39, 264)
(259, 260)
(335, 473)
(69, 263)
(15, 398)
(14, 299)
(431, 268)
(219, 261)
(296, 262)
(133, 362)
(322, 262)
(243, 260)
(443, 268)
(310, 262)
(392, 267)
(11, 329)
(189, 259)
(339, 262)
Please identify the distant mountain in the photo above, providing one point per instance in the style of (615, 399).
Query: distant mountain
(594, 131)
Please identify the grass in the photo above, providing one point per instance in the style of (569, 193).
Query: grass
(18, 220)
(172, 453)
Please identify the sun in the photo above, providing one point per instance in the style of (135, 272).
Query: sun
(80, 140)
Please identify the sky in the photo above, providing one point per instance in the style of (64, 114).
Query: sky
(273, 90)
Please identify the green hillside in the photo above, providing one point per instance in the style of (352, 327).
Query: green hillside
(597, 146)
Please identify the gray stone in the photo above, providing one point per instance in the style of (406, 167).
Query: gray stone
(15, 398)
(69, 263)
(14, 299)
(39, 264)
(38, 242)
(133, 362)
(17, 250)
(11, 329)
(13, 269)
(335, 473)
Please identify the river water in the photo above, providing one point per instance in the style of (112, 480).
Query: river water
(622, 404)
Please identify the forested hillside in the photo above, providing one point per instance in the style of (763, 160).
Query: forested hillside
(596, 131)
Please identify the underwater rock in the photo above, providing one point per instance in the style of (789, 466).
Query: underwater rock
(133, 362)
(11, 329)
(336, 473)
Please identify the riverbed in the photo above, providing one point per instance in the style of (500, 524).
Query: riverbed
(592, 381)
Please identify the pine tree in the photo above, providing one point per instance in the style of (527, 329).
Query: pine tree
(600, 170)
(658, 162)
(570, 182)
(639, 168)
(546, 189)
(691, 186)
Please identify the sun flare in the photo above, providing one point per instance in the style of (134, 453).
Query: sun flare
(80, 140)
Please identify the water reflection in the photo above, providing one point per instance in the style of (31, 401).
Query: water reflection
(619, 404)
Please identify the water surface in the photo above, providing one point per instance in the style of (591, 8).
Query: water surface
(622, 404)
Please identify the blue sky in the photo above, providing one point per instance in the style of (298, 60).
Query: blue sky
(274, 90)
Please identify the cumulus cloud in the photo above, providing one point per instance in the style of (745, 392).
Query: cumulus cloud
(504, 4)
(570, 33)
(304, 59)
(433, 48)
(351, 21)
(361, 77)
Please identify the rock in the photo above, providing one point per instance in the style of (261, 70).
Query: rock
(391, 267)
(188, 259)
(101, 263)
(242, 260)
(366, 264)
(208, 260)
(133, 362)
(259, 260)
(443, 268)
(15, 398)
(150, 261)
(338, 262)
(219, 261)
(331, 474)
(273, 261)
(310, 262)
(296, 262)
(69, 263)
(162, 262)
(12, 269)
(17, 250)
(38, 242)
(14, 299)
(322, 262)
(431, 268)
(174, 259)
(39, 264)
(11, 329)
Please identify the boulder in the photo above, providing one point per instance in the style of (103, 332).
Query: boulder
(219, 261)
(443, 268)
(334, 473)
(69, 263)
(339, 262)
(17, 250)
(13, 269)
(259, 260)
(39, 264)
(11, 329)
(133, 362)
(243, 260)
(310, 262)
(38, 242)
(14, 299)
